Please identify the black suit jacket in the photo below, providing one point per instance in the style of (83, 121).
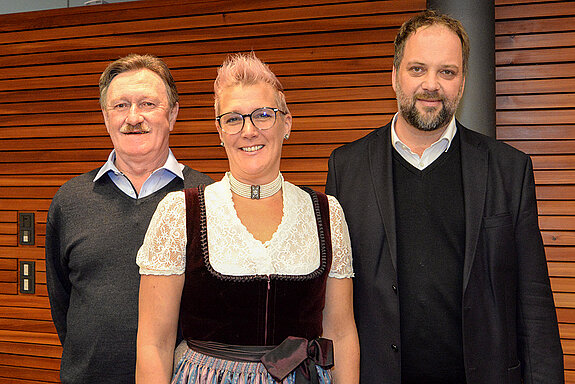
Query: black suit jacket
(509, 323)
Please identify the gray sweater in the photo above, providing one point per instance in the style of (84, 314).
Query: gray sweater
(92, 236)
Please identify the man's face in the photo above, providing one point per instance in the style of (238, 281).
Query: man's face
(429, 81)
(138, 117)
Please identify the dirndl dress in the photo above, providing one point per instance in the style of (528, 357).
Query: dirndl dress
(210, 362)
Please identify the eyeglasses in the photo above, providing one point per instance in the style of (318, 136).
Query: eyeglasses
(261, 118)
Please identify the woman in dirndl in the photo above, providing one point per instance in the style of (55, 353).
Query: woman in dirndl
(253, 271)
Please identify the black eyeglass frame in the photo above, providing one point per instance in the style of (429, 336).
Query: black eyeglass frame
(276, 110)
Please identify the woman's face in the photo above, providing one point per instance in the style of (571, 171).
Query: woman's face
(253, 154)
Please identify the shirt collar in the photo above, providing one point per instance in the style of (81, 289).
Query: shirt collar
(171, 165)
(447, 135)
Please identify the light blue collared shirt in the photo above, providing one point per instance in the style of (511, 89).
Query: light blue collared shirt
(431, 153)
(156, 181)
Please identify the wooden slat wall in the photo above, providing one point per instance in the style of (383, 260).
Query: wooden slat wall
(333, 56)
(535, 43)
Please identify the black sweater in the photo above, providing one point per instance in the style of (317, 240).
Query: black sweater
(430, 246)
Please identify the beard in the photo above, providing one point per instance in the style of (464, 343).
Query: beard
(432, 118)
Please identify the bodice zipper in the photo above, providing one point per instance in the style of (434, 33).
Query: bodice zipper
(267, 309)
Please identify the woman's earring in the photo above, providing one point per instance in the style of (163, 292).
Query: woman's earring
(222, 143)
(286, 136)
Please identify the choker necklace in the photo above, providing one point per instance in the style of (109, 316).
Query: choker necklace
(255, 192)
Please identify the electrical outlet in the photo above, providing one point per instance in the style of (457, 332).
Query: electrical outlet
(27, 277)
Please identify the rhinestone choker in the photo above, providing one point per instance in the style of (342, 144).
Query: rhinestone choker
(255, 191)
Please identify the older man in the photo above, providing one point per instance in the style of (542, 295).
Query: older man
(97, 223)
(451, 280)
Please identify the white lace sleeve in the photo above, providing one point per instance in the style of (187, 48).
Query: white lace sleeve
(341, 266)
(164, 249)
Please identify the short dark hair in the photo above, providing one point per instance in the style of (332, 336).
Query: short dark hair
(134, 62)
(424, 19)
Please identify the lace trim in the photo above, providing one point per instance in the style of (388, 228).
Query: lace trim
(243, 278)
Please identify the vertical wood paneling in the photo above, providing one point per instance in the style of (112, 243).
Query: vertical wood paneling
(333, 56)
(535, 51)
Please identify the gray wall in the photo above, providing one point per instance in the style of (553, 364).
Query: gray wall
(14, 6)
(477, 108)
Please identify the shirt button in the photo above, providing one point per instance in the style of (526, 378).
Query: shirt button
(394, 288)
(395, 348)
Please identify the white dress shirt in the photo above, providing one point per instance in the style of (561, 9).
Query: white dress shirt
(156, 181)
(431, 153)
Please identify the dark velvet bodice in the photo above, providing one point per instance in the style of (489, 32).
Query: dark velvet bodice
(254, 309)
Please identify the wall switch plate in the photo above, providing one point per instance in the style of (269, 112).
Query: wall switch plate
(26, 228)
(27, 277)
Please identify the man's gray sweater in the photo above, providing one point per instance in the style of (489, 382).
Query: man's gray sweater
(93, 233)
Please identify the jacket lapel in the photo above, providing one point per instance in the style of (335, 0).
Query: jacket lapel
(474, 163)
(381, 165)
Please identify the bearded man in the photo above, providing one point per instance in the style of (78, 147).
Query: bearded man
(451, 282)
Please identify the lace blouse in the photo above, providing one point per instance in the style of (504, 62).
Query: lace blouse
(292, 250)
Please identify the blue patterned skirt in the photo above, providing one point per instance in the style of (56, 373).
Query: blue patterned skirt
(197, 368)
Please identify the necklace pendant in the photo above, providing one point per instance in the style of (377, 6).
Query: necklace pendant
(255, 195)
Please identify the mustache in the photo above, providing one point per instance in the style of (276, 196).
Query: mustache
(138, 128)
(430, 96)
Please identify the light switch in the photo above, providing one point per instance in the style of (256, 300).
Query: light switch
(26, 228)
